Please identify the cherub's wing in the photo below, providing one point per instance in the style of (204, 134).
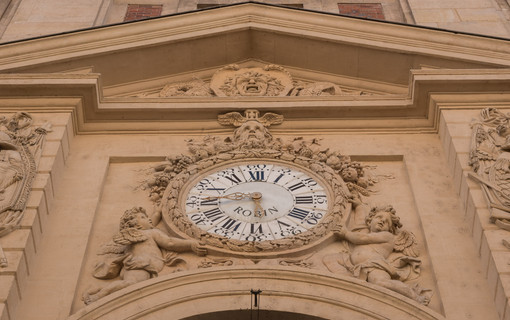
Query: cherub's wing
(405, 242)
(129, 236)
(231, 118)
(112, 248)
(270, 118)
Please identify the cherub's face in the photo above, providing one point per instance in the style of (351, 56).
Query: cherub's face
(144, 221)
(381, 222)
(350, 175)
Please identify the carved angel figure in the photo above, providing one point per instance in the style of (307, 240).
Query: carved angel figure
(490, 159)
(136, 253)
(380, 253)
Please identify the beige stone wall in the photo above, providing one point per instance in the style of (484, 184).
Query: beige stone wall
(455, 135)
(33, 18)
(475, 16)
(21, 246)
(64, 251)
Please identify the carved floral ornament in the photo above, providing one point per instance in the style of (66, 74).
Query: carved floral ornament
(268, 81)
(252, 197)
(20, 143)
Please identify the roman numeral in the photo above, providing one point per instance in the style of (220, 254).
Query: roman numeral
(296, 186)
(213, 214)
(211, 202)
(233, 178)
(256, 175)
(231, 224)
(298, 213)
(278, 178)
(255, 229)
(280, 224)
(215, 189)
(304, 200)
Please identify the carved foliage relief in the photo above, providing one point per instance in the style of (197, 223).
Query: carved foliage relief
(253, 199)
(20, 142)
(267, 81)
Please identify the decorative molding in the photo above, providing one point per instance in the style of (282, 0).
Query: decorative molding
(257, 16)
(235, 81)
(224, 287)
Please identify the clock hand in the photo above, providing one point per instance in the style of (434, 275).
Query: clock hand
(232, 196)
(259, 211)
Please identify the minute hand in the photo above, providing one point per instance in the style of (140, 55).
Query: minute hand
(232, 196)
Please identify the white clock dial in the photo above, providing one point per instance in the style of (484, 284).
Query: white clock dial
(257, 201)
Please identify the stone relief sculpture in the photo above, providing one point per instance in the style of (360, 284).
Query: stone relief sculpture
(197, 88)
(253, 199)
(379, 252)
(251, 139)
(20, 145)
(135, 253)
(268, 81)
(490, 159)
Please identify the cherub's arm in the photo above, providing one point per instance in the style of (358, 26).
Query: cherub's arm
(365, 238)
(359, 215)
(156, 216)
(368, 238)
(177, 245)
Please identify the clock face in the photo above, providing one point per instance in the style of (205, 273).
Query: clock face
(257, 201)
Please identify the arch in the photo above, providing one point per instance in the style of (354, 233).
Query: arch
(200, 294)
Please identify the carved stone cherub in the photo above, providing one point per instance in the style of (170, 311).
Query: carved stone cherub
(138, 248)
(381, 253)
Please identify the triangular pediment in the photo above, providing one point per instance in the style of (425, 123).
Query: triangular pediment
(383, 71)
(274, 80)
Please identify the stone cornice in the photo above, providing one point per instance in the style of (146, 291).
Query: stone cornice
(431, 63)
(430, 90)
(394, 37)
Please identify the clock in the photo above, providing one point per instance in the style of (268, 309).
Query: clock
(256, 200)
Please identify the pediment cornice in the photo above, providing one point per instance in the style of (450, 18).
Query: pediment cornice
(250, 21)
(412, 66)
(416, 111)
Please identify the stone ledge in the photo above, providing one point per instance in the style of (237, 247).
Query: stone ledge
(9, 294)
(4, 314)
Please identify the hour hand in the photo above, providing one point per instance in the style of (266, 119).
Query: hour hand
(231, 196)
(259, 211)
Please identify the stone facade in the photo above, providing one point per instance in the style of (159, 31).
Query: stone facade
(252, 161)
(32, 18)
